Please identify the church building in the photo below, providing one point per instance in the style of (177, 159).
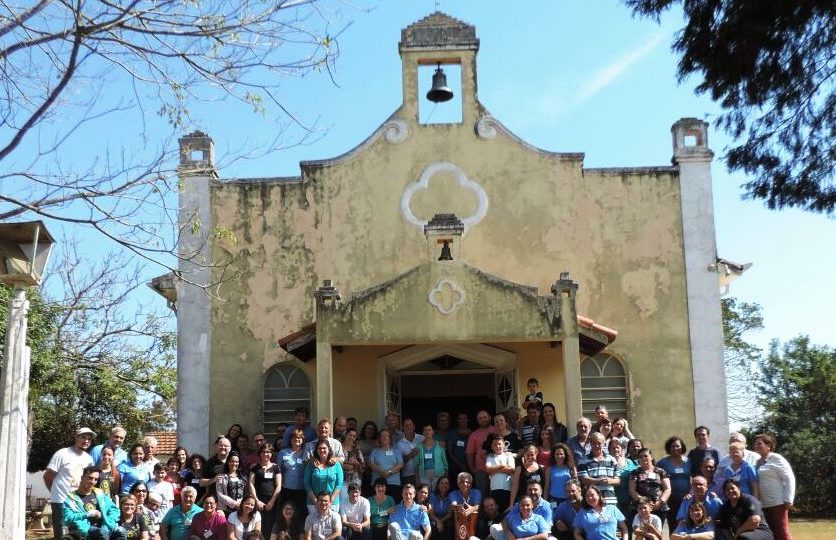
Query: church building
(439, 266)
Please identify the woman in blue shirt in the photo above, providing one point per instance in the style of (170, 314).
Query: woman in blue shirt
(134, 469)
(440, 514)
(386, 462)
(527, 525)
(293, 472)
(598, 520)
(697, 526)
(676, 465)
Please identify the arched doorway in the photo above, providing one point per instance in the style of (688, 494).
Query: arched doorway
(424, 379)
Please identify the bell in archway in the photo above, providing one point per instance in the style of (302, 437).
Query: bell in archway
(440, 91)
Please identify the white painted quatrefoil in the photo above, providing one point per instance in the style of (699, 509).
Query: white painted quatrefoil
(446, 303)
(423, 183)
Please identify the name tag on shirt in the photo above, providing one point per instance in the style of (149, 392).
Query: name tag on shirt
(383, 513)
(428, 455)
(390, 453)
(460, 443)
(678, 470)
(298, 461)
(268, 475)
(195, 480)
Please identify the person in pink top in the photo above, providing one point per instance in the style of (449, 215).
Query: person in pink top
(476, 455)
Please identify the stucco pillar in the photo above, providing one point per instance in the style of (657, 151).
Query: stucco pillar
(565, 291)
(194, 326)
(572, 381)
(324, 381)
(693, 157)
(14, 418)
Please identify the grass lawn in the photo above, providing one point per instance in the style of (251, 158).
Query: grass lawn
(813, 529)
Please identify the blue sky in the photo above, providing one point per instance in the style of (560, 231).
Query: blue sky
(565, 76)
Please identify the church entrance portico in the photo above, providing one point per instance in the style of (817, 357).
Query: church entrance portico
(423, 379)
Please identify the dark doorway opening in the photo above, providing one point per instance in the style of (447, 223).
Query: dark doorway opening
(424, 396)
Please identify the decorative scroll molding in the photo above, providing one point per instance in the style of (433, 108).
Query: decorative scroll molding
(486, 127)
(395, 131)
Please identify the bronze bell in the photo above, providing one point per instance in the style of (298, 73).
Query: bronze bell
(446, 255)
(440, 91)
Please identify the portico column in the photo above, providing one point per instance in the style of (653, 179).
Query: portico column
(324, 381)
(327, 298)
(565, 291)
(572, 381)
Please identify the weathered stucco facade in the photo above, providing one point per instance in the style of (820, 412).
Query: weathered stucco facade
(638, 243)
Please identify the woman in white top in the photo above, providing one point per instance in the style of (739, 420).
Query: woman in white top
(243, 520)
(776, 482)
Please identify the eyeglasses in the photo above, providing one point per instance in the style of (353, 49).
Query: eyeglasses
(140, 491)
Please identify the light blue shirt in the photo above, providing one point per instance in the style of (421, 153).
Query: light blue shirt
(119, 455)
(413, 518)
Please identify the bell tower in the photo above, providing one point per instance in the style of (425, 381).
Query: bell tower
(439, 40)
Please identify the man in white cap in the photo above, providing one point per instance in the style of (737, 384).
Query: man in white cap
(63, 475)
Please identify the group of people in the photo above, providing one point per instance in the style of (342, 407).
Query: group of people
(505, 478)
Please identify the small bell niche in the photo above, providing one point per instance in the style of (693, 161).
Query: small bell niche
(444, 237)
(436, 80)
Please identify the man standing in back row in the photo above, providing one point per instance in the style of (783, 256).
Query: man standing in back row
(63, 475)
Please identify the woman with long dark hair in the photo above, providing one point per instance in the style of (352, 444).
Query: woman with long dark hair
(550, 423)
(265, 485)
(246, 518)
(289, 525)
(597, 519)
(321, 475)
(562, 471)
(440, 509)
(232, 485)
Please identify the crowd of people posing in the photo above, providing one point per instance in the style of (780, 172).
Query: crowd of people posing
(502, 479)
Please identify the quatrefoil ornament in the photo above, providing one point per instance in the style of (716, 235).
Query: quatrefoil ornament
(447, 296)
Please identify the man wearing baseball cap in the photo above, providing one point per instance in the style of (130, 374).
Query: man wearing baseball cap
(63, 475)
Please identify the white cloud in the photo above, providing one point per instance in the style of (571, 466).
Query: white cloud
(608, 74)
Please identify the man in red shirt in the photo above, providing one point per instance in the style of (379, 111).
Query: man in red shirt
(476, 454)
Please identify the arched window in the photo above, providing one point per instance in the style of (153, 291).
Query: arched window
(285, 388)
(604, 382)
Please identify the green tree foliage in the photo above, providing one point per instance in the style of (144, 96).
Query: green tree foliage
(771, 65)
(797, 386)
(741, 357)
(91, 364)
